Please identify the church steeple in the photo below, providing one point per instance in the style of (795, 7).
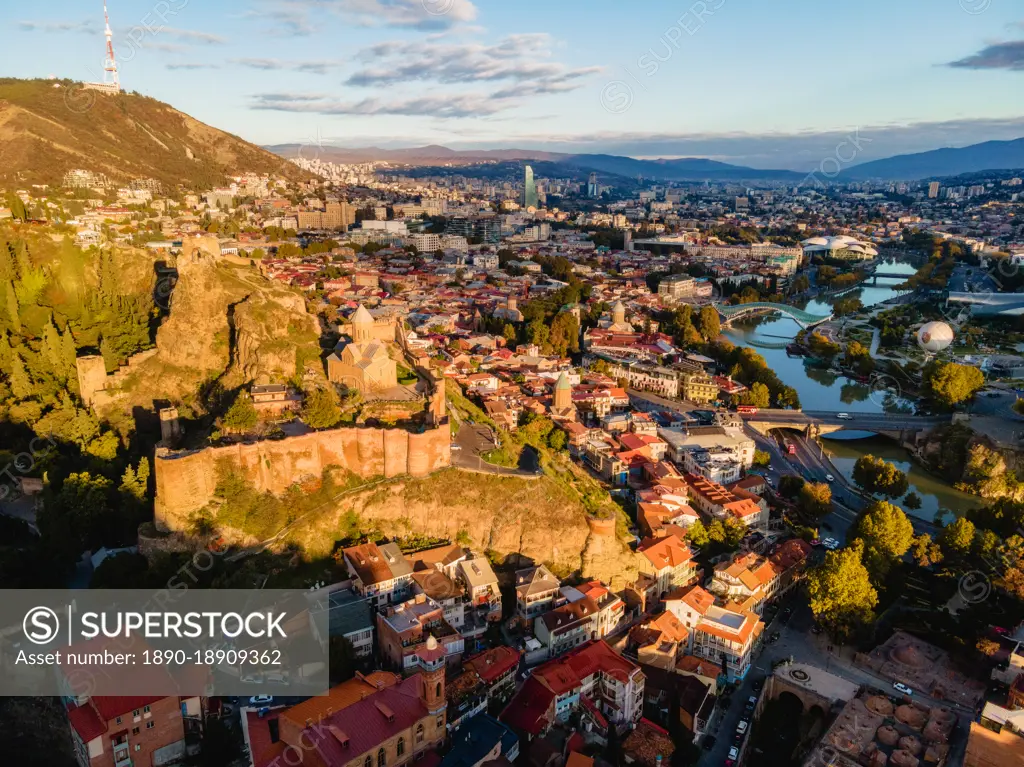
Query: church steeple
(362, 326)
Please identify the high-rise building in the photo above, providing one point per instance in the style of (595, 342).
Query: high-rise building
(592, 188)
(933, 190)
(529, 188)
(339, 215)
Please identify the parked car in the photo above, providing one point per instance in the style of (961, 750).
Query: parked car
(734, 754)
(830, 478)
(741, 728)
(261, 700)
(844, 416)
(900, 687)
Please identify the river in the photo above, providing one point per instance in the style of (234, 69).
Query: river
(820, 389)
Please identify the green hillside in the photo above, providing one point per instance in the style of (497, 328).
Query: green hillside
(48, 127)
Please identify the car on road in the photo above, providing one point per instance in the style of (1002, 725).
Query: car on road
(830, 543)
(900, 687)
(758, 684)
(844, 416)
(261, 700)
(456, 446)
(741, 728)
(830, 478)
(734, 754)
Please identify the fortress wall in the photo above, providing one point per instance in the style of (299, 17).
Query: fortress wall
(371, 452)
(396, 453)
(429, 451)
(186, 481)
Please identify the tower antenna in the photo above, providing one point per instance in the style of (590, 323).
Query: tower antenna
(110, 63)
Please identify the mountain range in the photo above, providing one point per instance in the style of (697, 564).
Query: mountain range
(48, 127)
(990, 155)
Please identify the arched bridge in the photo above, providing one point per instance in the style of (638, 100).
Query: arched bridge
(804, 319)
(819, 422)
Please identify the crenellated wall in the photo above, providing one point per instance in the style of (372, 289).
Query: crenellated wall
(186, 480)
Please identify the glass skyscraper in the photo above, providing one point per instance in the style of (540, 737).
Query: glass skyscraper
(529, 188)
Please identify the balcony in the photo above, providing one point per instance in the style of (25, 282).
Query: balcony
(122, 761)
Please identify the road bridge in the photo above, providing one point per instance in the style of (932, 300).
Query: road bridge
(900, 426)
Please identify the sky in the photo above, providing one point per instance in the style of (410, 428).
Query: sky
(788, 84)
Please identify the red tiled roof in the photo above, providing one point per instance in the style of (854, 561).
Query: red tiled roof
(528, 710)
(492, 664)
(86, 722)
(379, 716)
(111, 707)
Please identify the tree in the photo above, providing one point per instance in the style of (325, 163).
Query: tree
(320, 410)
(762, 458)
(956, 538)
(950, 383)
(557, 440)
(242, 415)
(877, 475)
(509, 333)
(698, 534)
(710, 324)
(987, 647)
(887, 535)
(859, 358)
(840, 591)
(815, 499)
(925, 551)
(790, 485)
(912, 501)
(758, 395)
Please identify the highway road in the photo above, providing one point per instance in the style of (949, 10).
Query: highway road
(857, 420)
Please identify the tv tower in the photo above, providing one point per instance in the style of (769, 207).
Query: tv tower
(110, 77)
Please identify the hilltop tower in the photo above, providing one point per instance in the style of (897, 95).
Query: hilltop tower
(563, 393)
(110, 76)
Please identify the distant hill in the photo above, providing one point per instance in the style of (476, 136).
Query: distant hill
(684, 169)
(990, 155)
(48, 127)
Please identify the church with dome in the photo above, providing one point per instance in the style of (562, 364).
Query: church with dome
(363, 363)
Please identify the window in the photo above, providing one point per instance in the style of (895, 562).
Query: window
(400, 747)
(117, 721)
(145, 709)
(138, 747)
(440, 722)
(150, 725)
(135, 712)
(437, 690)
(382, 758)
(368, 762)
(135, 730)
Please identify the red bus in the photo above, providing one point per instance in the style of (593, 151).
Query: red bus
(746, 410)
(790, 447)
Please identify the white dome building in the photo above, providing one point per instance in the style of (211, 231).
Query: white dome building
(839, 246)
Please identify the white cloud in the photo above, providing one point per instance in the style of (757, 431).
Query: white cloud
(523, 60)
(302, 17)
(445, 106)
(309, 67)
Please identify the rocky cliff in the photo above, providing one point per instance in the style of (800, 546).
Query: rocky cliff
(511, 517)
(225, 321)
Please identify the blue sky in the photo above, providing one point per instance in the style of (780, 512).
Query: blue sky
(766, 84)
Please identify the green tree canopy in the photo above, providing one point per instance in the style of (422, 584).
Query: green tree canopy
(950, 383)
(877, 475)
(841, 595)
(815, 499)
(242, 415)
(320, 410)
(887, 535)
